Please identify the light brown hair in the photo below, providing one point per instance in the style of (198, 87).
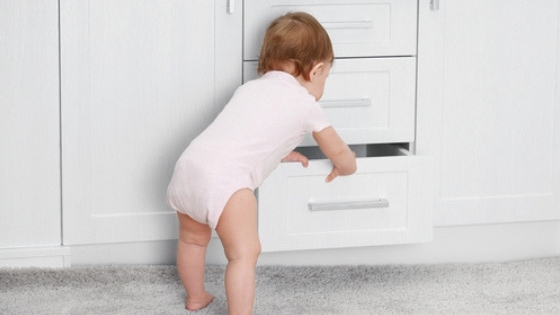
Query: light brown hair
(296, 37)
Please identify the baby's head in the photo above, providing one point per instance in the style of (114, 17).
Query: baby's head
(295, 43)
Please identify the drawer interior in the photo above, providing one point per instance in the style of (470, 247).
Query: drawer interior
(362, 151)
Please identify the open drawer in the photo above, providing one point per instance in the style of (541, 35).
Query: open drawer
(388, 201)
(357, 28)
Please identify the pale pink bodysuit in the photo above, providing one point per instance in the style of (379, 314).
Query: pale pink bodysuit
(264, 121)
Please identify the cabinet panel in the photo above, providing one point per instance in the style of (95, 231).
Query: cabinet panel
(387, 201)
(367, 100)
(29, 124)
(139, 82)
(357, 28)
(488, 109)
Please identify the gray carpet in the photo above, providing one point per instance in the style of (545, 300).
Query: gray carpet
(527, 287)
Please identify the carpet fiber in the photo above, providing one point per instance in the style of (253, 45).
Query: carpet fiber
(527, 287)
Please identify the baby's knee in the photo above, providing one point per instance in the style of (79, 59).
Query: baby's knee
(251, 251)
(246, 252)
(198, 238)
(257, 249)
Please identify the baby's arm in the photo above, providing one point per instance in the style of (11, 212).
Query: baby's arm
(338, 152)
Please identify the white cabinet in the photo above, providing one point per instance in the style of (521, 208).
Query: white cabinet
(140, 79)
(29, 125)
(370, 99)
(488, 109)
(99, 98)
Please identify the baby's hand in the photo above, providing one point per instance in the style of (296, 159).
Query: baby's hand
(334, 174)
(295, 156)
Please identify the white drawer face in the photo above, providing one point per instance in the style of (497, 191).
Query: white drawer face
(364, 201)
(388, 201)
(358, 28)
(367, 100)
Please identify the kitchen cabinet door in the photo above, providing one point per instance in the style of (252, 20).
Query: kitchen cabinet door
(488, 84)
(140, 79)
(29, 125)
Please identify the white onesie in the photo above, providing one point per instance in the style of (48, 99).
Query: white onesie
(264, 121)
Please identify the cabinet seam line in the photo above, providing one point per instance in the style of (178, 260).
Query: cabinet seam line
(60, 123)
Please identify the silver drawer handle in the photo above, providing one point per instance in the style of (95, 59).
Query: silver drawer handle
(348, 25)
(362, 102)
(328, 206)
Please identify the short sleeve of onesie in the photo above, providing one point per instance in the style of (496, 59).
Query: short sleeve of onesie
(316, 119)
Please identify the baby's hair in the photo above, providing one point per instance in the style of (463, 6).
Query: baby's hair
(297, 37)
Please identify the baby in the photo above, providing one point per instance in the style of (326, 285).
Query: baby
(214, 179)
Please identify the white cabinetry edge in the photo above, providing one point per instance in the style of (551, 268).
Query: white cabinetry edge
(39, 257)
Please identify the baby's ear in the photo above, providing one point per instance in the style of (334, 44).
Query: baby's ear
(316, 70)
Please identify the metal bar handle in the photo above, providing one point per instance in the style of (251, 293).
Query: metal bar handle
(231, 6)
(348, 25)
(349, 205)
(362, 102)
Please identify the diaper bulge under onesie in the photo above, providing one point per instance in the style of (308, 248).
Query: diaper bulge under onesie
(202, 184)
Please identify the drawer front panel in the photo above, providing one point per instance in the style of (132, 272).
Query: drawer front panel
(367, 100)
(358, 28)
(388, 201)
(336, 199)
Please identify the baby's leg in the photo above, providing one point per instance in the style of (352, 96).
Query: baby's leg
(237, 229)
(191, 254)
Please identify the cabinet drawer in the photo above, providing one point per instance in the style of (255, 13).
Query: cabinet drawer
(367, 100)
(388, 201)
(358, 28)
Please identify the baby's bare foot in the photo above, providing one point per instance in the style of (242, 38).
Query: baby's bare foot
(198, 303)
